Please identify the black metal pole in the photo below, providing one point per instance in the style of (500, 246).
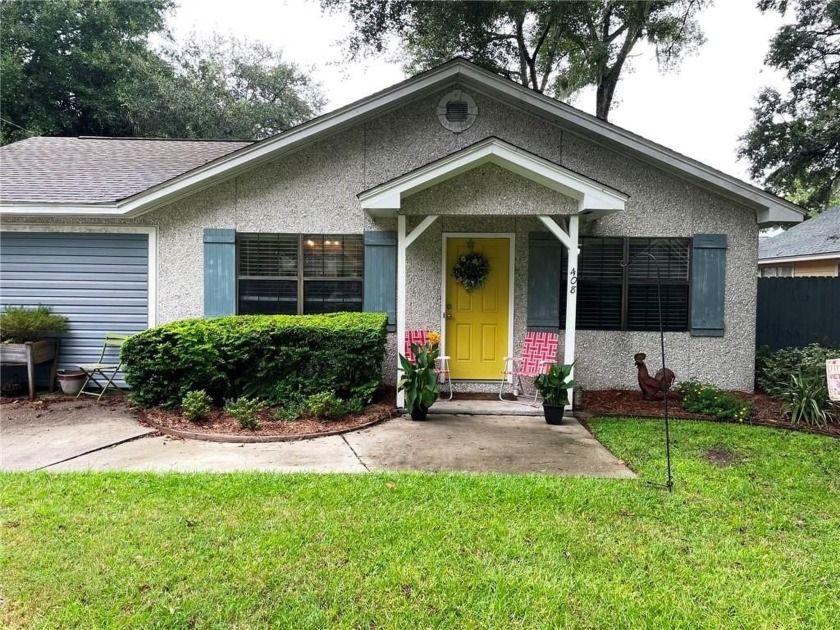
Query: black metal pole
(669, 484)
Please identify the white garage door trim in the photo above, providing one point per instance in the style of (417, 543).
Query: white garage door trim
(105, 229)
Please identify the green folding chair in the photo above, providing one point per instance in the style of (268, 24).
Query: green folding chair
(106, 372)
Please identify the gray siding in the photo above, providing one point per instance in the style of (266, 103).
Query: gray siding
(99, 281)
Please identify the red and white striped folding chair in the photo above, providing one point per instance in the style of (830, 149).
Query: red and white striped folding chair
(538, 353)
(421, 337)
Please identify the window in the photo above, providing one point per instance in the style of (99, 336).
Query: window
(299, 273)
(611, 297)
(779, 271)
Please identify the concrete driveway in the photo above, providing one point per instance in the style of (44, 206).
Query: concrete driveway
(110, 439)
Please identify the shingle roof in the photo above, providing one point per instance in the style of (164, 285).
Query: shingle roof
(98, 170)
(820, 235)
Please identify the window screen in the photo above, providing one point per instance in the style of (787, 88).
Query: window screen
(297, 274)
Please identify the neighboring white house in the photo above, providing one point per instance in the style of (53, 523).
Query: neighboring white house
(811, 248)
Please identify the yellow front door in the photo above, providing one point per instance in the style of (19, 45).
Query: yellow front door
(477, 322)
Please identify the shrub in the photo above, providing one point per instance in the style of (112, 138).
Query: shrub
(291, 411)
(276, 358)
(326, 405)
(196, 405)
(806, 400)
(245, 411)
(22, 324)
(712, 401)
(773, 370)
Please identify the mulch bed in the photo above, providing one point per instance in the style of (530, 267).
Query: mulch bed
(620, 402)
(219, 423)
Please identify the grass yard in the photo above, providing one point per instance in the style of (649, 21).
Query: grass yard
(750, 539)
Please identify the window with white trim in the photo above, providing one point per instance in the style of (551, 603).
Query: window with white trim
(299, 273)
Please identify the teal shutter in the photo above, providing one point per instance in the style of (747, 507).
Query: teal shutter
(708, 284)
(546, 280)
(219, 272)
(381, 275)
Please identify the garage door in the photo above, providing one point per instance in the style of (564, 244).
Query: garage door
(99, 281)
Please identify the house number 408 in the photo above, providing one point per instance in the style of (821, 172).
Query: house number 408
(572, 280)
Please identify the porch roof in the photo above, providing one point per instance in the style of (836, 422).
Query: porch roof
(594, 198)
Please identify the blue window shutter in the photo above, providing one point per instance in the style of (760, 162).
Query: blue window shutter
(381, 275)
(546, 280)
(219, 272)
(708, 285)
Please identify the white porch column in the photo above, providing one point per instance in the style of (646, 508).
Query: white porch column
(571, 293)
(401, 246)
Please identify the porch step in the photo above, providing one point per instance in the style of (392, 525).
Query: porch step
(483, 408)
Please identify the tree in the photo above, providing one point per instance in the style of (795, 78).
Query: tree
(552, 47)
(793, 144)
(223, 88)
(65, 65)
(85, 67)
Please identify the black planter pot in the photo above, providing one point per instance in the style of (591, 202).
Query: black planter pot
(420, 414)
(553, 414)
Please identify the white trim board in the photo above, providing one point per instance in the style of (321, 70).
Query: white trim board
(592, 196)
(151, 308)
(769, 208)
(511, 296)
(769, 262)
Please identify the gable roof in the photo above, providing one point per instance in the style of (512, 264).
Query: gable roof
(98, 170)
(819, 236)
(768, 207)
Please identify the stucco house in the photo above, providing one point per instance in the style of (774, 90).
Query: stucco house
(368, 207)
(811, 248)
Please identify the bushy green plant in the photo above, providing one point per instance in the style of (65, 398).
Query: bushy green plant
(806, 400)
(19, 324)
(326, 405)
(773, 369)
(245, 410)
(554, 385)
(196, 405)
(276, 358)
(291, 411)
(712, 401)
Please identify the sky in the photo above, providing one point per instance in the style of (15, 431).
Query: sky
(699, 110)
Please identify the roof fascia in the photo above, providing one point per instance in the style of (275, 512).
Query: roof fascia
(592, 195)
(801, 258)
(769, 208)
(247, 157)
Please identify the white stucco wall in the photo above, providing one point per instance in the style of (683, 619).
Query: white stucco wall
(314, 190)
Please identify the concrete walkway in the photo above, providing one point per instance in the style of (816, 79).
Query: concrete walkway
(506, 444)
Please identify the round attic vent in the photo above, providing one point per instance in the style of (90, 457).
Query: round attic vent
(457, 111)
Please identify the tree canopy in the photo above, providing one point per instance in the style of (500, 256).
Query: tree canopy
(793, 144)
(552, 47)
(85, 67)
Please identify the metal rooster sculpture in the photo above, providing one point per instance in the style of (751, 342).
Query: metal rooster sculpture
(651, 385)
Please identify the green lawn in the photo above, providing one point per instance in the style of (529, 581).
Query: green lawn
(755, 544)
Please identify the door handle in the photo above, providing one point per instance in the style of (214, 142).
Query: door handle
(447, 316)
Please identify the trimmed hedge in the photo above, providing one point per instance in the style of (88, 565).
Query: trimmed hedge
(278, 359)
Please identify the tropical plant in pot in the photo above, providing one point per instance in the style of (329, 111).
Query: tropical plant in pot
(554, 386)
(419, 379)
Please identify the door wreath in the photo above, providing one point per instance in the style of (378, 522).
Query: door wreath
(471, 270)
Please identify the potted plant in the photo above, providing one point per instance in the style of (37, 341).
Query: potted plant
(23, 333)
(554, 387)
(419, 379)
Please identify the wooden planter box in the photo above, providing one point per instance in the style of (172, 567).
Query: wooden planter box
(30, 354)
